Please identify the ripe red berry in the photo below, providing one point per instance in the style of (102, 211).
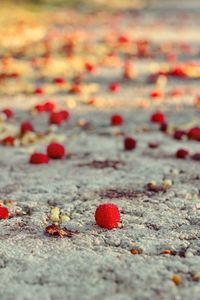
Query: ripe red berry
(163, 127)
(56, 151)
(158, 117)
(26, 126)
(8, 112)
(65, 114)
(156, 94)
(194, 134)
(107, 216)
(4, 212)
(39, 158)
(39, 91)
(153, 145)
(196, 156)
(123, 39)
(39, 108)
(8, 141)
(56, 118)
(89, 67)
(114, 87)
(117, 120)
(49, 106)
(129, 143)
(179, 134)
(182, 153)
(59, 80)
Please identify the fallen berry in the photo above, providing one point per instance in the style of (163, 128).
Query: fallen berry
(107, 216)
(123, 39)
(49, 106)
(117, 120)
(163, 127)
(56, 151)
(114, 87)
(194, 134)
(39, 91)
(56, 118)
(129, 143)
(158, 117)
(26, 126)
(157, 94)
(59, 80)
(8, 112)
(39, 108)
(4, 212)
(65, 114)
(196, 156)
(182, 153)
(8, 141)
(153, 145)
(179, 134)
(39, 158)
(89, 67)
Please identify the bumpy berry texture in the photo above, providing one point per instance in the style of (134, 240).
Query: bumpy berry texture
(107, 216)
(117, 120)
(39, 158)
(158, 117)
(4, 212)
(130, 143)
(56, 151)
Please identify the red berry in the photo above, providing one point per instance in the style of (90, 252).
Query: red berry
(89, 67)
(8, 112)
(26, 126)
(196, 156)
(49, 106)
(123, 39)
(65, 114)
(158, 117)
(4, 212)
(153, 145)
(129, 143)
(59, 80)
(39, 108)
(182, 153)
(56, 118)
(56, 151)
(39, 158)
(107, 216)
(194, 134)
(39, 91)
(114, 87)
(179, 71)
(117, 120)
(156, 94)
(8, 141)
(163, 127)
(179, 134)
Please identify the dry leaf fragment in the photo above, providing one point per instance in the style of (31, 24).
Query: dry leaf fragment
(56, 230)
